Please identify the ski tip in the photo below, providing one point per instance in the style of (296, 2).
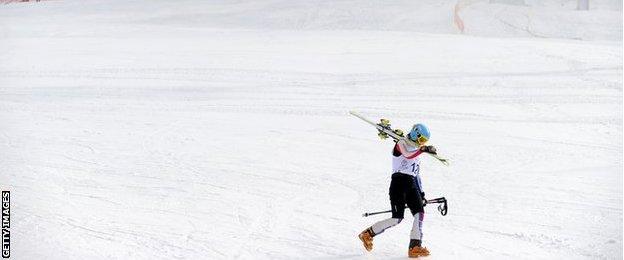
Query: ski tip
(442, 160)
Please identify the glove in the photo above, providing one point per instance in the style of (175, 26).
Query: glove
(428, 149)
(382, 135)
(422, 196)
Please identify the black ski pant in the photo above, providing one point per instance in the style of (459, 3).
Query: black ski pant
(404, 190)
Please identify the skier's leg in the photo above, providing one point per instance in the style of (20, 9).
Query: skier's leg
(381, 226)
(415, 247)
(416, 233)
(415, 203)
(416, 207)
(397, 202)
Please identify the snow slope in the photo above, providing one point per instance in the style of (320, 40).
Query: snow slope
(171, 129)
(542, 18)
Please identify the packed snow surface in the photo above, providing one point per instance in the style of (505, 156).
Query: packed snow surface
(220, 129)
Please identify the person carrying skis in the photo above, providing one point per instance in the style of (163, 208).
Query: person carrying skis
(405, 188)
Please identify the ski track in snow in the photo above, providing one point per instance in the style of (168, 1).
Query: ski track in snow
(237, 144)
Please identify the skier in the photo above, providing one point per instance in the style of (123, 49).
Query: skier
(405, 188)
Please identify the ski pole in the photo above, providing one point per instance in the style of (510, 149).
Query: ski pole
(442, 208)
(375, 213)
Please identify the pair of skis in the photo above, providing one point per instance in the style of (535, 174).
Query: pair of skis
(385, 128)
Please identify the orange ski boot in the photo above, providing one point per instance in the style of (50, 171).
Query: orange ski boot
(416, 249)
(367, 238)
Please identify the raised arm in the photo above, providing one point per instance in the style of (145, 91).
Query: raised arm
(407, 150)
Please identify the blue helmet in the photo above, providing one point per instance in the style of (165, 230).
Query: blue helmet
(419, 134)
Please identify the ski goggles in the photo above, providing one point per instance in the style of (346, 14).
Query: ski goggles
(420, 139)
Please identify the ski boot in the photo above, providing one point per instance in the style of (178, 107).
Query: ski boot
(367, 238)
(416, 250)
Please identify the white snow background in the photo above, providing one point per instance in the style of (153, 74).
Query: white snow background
(160, 129)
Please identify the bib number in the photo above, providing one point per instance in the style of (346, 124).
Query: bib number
(415, 168)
